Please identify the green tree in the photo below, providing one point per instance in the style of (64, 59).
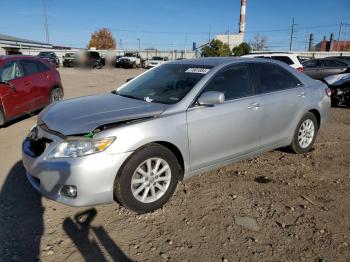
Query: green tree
(102, 39)
(242, 49)
(215, 48)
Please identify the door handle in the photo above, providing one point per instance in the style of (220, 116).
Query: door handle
(254, 106)
(302, 95)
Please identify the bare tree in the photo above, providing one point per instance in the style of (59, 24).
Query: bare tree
(259, 43)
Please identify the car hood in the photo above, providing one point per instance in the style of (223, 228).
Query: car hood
(337, 79)
(128, 58)
(84, 114)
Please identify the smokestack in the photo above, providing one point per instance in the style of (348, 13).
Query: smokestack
(242, 17)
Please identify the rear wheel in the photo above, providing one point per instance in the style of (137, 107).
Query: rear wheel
(2, 118)
(148, 179)
(56, 94)
(305, 134)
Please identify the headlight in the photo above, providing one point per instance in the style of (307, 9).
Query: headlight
(75, 147)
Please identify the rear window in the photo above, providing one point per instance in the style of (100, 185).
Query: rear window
(273, 78)
(94, 54)
(284, 59)
(334, 63)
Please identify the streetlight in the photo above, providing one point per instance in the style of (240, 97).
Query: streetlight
(138, 39)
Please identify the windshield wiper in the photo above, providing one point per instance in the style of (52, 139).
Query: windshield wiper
(128, 96)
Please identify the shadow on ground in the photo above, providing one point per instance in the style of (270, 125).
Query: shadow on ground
(79, 229)
(21, 218)
(22, 225)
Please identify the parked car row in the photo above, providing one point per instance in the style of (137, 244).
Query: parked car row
(84, 59)
(334, 71)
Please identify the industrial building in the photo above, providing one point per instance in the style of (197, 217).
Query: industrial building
(233, 40)
(332, 45)
(14, 45)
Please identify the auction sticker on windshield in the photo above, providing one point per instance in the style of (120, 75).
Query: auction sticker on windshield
(198, 70)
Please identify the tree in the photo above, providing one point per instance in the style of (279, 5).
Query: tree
(259, 43)
(102, 39)
(216, 48)
(242, 49)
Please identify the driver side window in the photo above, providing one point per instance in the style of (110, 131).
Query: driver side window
(234, 82)
(10, 71)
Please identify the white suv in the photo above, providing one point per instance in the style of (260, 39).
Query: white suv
(288, 58)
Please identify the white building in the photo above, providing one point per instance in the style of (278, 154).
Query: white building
(11, 44)
(231, 40)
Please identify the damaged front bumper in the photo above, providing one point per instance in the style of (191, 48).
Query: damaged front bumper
(92, 175)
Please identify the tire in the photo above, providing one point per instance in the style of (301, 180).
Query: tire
(140, 197)
(305, 134)
(56, 94)
(2, 118)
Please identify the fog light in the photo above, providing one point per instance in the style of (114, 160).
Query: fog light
(69, 191)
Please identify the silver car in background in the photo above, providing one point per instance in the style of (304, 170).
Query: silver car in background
(169, 123)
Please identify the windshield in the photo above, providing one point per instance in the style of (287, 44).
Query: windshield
(69, 55)
(167, 84)
(130, 55)
(158, 58)
(46, 54)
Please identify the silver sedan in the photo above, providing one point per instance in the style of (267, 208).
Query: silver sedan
(182, 118)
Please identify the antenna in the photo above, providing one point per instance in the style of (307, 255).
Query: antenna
(46, 23)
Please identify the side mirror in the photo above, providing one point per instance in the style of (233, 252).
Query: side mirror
(8, 83)
(211, 98)
(129, 79)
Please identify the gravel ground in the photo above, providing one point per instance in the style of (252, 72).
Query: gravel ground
(275, 207)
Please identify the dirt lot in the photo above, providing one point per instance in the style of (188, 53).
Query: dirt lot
(275, 207)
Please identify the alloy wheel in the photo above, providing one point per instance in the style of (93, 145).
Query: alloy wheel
(306, 133)
(151, 180)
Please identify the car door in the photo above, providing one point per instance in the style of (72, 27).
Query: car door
(282, 99)
(225, 131)
(333, 67)
(313, 68)
(39, 80)
(17, 96)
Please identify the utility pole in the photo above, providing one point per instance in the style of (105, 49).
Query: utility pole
(340, 29)
(311, 41)
(228, 35)
(185, 47)
(46, 23)
(292, 35)
(138, 39)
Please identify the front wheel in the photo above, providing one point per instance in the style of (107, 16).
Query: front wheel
(305, 134)
(56, 95)
(148, 179)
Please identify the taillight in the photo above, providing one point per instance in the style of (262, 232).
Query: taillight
(300, 69)
(328, 92)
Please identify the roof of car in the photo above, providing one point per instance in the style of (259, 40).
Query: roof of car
(331, 58)
(4, 57)
(209, 61)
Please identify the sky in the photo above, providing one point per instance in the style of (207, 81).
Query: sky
(168, 24)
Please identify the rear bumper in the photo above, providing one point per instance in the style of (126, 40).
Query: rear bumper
(92, 175)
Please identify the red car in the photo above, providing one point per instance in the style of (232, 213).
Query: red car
(27, 83)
